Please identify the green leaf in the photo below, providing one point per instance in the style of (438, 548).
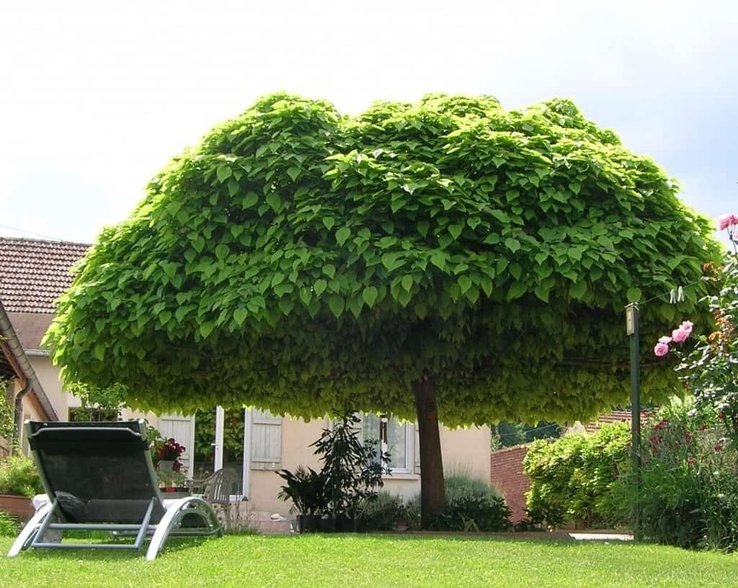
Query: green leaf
(286, 304)
(249, 200)
(578, 289)
(224, 172)
(206, 328)
(516, 291)
(306, 295)
(293, 172)
(500, 216)
(239, 315)
(320, 286)
(328, 222)
(336, 304)
(329, 270)
(342, 234)
(633, 294)
(542, 292)
(438, 258)
(392, 261)
(423, 227)
(274, 201)
(407, 283)
(355, 304)
(486, 283)
(512, 244)
(455, 230)
(369, 295)
(464, 283)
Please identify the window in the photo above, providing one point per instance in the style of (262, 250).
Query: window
(395, 437)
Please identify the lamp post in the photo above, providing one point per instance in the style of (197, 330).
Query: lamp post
(633, 330)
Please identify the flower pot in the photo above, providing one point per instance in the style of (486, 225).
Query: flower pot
(18, 506)
(166, 465)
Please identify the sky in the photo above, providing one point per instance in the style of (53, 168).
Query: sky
(96, 97)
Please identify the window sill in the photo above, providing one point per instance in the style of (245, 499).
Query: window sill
(402, 476)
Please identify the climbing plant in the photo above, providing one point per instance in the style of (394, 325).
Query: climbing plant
(447, 259)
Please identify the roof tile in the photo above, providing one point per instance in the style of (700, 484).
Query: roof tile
(34, 273)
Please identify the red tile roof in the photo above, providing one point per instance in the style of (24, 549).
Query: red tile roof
(616, 416)
(34, 273)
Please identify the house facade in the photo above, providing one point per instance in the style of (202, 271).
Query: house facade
(255, 443)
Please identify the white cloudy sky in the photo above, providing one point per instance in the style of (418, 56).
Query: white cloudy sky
(96, 96)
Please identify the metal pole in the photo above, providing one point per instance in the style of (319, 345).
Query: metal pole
(633, 330)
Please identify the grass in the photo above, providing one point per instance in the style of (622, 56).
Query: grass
(372, 560)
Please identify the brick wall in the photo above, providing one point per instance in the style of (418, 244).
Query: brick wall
(506, 475)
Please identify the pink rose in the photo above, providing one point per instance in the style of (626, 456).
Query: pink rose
(665, 340)
(661, 349)
(727, 220)
(686, 326)
(679, 335)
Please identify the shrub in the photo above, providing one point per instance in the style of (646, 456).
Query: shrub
(689, 487)
(384, 512)
(471, 505)
(571, 476)
(18, 475)
(9, 526)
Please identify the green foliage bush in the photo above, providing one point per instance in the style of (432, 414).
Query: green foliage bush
(385, 512)
(9, 526)
(571, 476)
(6, 413)
(471, 505)
(689, 481)
(710, 371)
(19, 476)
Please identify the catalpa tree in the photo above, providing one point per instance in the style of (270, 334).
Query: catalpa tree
(446, 259)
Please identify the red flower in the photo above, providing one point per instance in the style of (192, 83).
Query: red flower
(721, 416)
(690, 461)
(718, 447)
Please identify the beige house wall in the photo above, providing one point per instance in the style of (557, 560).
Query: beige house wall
(48, 376)
(464, 450)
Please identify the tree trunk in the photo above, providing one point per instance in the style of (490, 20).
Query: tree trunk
(432, 494)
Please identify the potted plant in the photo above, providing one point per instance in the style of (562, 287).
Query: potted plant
(352, 472)
(165, 454)
(19, 482)
(306, 489)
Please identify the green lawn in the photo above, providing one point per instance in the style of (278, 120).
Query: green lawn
(374, 560)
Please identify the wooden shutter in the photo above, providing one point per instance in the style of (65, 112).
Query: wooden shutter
(266, 440)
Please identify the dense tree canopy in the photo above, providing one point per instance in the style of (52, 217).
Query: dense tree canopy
(298, 259)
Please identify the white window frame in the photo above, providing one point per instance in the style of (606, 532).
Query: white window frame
(409, 467)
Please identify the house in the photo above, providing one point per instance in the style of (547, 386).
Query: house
(34, 273)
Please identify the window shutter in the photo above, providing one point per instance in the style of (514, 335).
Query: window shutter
(266, 440)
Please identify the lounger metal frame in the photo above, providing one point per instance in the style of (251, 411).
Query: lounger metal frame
(49, 515)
